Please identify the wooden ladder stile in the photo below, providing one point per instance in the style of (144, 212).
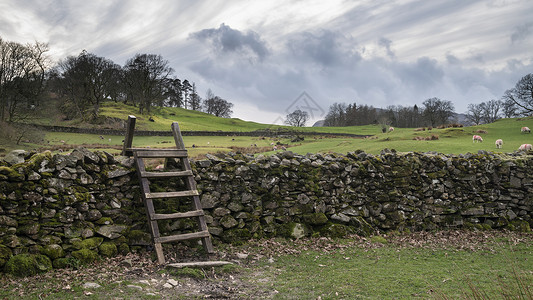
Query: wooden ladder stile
(148, 196)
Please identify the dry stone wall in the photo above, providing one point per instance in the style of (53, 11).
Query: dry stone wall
(74, 208)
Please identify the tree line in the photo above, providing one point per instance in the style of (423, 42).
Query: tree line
(82, 83)
(516, 102)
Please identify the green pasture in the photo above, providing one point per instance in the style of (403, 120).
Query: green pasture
(196, 145)
(391, 272)
(445, 140)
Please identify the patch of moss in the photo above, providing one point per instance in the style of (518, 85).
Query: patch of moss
(336, 230)
(90, 243)
(108, 249)
(228, 269)
(138, 237)
(362, 227)
(11, 174)
(315, 219)
(5, 254)
(66, 262)
(188, 272)
(28, 264)
(293, 230)
(236, 236)
(53, 251)
(82, 197)
(85, 256)
(104, 221)
(378, 239)
(519, 225)
(123, 249)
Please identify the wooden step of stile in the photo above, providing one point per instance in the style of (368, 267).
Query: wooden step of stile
(160, 195)
(189, 214)
(160, 153)
(182, 237)
(145, 174)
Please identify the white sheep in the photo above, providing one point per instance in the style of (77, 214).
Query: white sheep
(477, 138)
(499, 143)
(391, 129)
(525, 130)
(525, 147)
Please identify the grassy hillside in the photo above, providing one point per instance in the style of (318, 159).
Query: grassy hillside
(448, 140)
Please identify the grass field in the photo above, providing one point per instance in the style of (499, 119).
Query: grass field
(448, 140)
(417, 266)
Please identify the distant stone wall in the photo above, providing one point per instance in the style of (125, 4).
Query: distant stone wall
(75, 207)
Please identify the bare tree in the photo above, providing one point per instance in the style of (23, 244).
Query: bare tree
(509, 108)
(86, 81)
(336, 115)
(475, 113)
(297, 118)
(22, 76)
(491, 110)
(437, 111)
(522, 95)
(145, 75)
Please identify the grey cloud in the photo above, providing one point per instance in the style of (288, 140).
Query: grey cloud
(326, 48)
(386, 43)
(452, 59)
(422, 75)
(226, 39)
(522, 32)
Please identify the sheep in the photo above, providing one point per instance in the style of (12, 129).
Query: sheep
(391, 129)
(477, 138)
(275, 148)
(525, 130)
(525, 147)
(499, 143)
(160, 167)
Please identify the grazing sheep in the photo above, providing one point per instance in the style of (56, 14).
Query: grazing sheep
(477, 138)
(499, 143)
(525, 130)
(275, 148)
(391, 129)
(283, 148)
(525, 147)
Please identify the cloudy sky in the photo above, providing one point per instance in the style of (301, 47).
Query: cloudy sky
(271, 57)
